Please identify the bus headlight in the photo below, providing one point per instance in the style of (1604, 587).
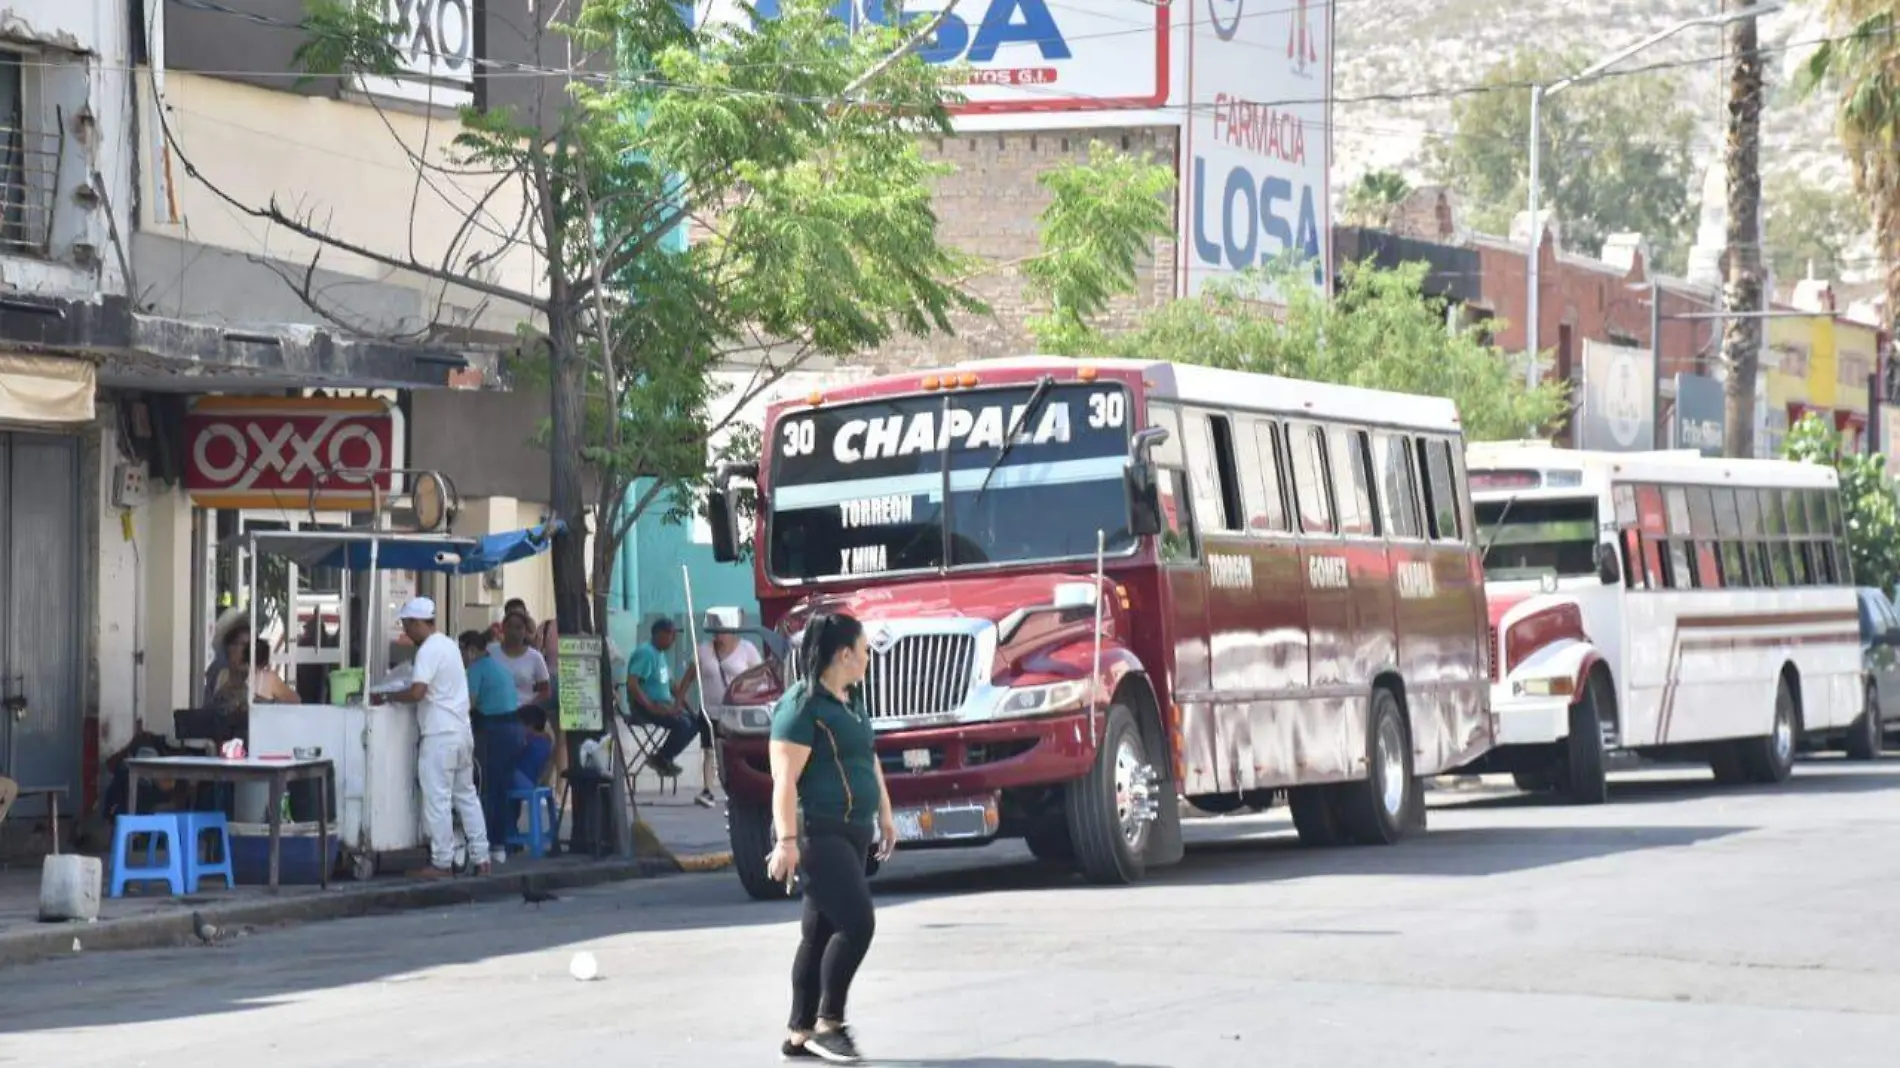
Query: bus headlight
(1053, 697)
(1562, 686)
(745, 719)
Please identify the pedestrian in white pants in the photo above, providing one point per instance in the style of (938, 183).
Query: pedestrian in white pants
(445, 761)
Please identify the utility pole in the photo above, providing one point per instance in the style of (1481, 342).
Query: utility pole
(1742, 296)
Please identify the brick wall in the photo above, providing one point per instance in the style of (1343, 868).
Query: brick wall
(988, 208)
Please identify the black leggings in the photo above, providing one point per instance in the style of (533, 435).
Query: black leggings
(838, 922)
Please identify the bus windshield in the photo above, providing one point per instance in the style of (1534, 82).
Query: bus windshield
(859, 489)
(1529, 539)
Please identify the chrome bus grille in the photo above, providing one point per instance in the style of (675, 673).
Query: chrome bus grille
(916, 675)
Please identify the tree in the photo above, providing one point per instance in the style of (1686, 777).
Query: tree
(1869, 505)
(1861, 67)
(1372, 199)
(1810, 226)
(1742, 295)
(1616, 157)
(1380, 332)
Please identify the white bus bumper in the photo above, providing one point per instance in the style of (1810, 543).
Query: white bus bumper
(1524, 719)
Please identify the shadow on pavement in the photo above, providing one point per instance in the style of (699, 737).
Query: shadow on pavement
(1812, 775)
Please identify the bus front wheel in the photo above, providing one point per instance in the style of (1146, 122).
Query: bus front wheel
(1583, 775)
(1112, 809)
(749, 829)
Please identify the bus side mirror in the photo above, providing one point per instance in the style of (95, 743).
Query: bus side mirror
(1609, 568)
(722, 509)
(1138, 476)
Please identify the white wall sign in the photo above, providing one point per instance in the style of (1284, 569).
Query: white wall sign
(1026, 56)
(1258, 147)
(1619, 413)
(435, 40)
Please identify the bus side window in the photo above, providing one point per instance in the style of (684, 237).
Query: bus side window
(1676, 504)
(1441, 490)
(1309, 478)
(1775, 530)
(1177, 540)
(1228, 468)
(1350, 489)
(1728, 525)
(1654, 528)
(1266, 503)
(1204, 475)
(1398, 487)
(1824, 516)
(1708, 567)
(1754, 549)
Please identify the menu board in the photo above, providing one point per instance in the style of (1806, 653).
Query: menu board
(579, 683)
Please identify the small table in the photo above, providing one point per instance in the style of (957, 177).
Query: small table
(278, 773)
(52, 794)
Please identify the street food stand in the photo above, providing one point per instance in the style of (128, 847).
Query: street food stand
(378, 799)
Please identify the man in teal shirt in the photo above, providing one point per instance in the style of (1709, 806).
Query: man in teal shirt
(499, 736)
(654, 698)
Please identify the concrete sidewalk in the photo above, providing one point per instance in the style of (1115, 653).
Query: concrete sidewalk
(678, 836)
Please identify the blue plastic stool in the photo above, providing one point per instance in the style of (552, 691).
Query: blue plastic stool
(194, 826)
(540, 836)
(154, 826)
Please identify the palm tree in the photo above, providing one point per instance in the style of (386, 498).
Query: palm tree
(1860, 64)
(1373, 197)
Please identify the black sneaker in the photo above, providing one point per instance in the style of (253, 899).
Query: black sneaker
(834, 1046)
(706, 799)
(795, 1051)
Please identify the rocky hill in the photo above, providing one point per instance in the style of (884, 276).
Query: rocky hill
(1402, 47)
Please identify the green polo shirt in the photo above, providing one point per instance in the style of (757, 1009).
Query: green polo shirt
(840, 779)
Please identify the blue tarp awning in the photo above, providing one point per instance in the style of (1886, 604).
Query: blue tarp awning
(350, 550)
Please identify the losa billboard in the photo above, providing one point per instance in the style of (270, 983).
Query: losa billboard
(1257, 148)
(1023, 56)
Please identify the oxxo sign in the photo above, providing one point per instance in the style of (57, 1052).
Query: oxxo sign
(1259, 146)
(267, 452)
(1024, 55)
(435, 46)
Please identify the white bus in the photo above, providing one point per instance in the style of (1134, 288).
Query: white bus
(1667, 604)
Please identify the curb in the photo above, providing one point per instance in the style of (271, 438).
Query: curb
(704, 862)
(43, 941)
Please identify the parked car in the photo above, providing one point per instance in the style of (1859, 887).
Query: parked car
(1880, 661)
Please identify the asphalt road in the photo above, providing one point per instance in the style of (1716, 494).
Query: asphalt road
(1680, 925)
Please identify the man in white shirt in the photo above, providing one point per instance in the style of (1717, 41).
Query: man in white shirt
(445, 761)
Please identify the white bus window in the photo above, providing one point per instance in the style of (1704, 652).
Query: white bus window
(1177, 517)
(1169, 453)
(1309, 478)
(1654, 525)
(1227, 468)
(1266, 508)
(1204, 474)
(1775, 531)
(1441, 490)
(1708, 567)
(1350, 489)
(1398, 487)
(1794, 508)
(1728, 524)
(1754, 550)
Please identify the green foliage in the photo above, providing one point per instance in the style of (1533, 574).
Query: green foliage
(1869, 504)
(1860, 66)
(1370, 200)
(1811, 226)
(1381, 332)
(1102, 219)
(345, 37)
(1616, 158)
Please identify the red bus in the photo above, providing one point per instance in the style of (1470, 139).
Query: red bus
(1095, 589)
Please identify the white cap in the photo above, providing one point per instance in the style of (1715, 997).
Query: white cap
(419, 608)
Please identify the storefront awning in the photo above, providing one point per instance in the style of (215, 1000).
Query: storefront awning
(351, 550)
(46, 389)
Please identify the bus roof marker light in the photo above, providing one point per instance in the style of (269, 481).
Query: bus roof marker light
(967, 379)
(1086, 374)
(931, 382)
(815, 398)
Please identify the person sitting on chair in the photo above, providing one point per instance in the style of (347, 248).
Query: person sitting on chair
(654, 699)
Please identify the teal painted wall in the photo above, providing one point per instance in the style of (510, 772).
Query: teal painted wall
(648, 582)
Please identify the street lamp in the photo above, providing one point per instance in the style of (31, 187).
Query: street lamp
(1539, 92)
